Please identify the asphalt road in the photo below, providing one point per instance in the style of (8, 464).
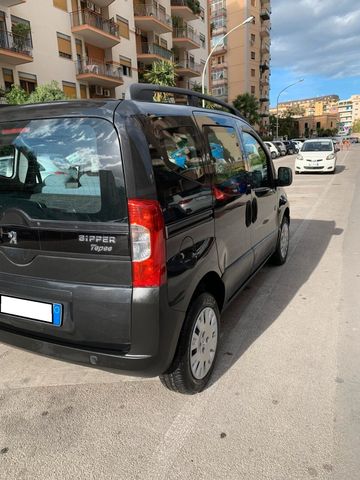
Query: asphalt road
(284, 403)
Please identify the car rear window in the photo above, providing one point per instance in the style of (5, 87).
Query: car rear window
(62, 169)
(320, 146)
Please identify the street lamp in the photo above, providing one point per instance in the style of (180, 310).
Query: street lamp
(248, 20)
(277, 105)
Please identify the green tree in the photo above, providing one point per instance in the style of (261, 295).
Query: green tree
(162, 72)
(288, 126)
(16, 95)
(43, 93)
(248, 106)
(47, 93)
(198, 88)
(356, 126)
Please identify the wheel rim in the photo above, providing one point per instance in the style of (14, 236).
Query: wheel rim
(284, 239)
(204, 340)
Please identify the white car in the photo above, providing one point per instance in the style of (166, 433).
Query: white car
(274, 152)
(298, 144)
(317, 155)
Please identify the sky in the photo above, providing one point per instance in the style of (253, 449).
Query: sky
(319, 41)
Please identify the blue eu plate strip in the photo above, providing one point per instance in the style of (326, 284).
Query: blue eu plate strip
(57, 314)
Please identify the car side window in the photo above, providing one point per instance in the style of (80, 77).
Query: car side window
(257, 160)
(227, 161)
(182, 181)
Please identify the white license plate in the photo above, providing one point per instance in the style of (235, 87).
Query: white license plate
(43, 312)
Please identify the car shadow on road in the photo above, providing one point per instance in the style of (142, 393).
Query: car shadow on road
(268, 294)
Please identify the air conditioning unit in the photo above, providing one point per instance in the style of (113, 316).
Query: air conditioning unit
(106, 92)
(99, 90)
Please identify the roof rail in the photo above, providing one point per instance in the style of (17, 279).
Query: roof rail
(144, 92)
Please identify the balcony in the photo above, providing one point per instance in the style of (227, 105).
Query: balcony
(95, 29)
(218, 82)
(221, 30)
(150, 19)
(186, 37)
(265, 32)
(188, 69)
(10, 3)
(265, 48)
(93, 72)
(15, 49)
(264, 66)
(150, 52)
(184, 9)
(265, 14)
(103, 3)
(263, 99)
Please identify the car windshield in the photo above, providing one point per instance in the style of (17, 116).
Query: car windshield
(62, 169)
(320, 146)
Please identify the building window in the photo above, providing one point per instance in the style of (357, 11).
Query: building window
(202, 14)
(28, 82)
(253, 72)
(219, 60)
(163, 43)
(252, 90)
(62, 4)
(125, 63)
(202, 40)
(8, 76)
(123, 27)
(64, 45)
(69, 89)
(253, 38)
(252, 55)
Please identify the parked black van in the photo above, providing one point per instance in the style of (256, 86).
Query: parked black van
(126, 227)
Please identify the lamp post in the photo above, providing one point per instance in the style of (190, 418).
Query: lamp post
(248, 20)
(277, 105)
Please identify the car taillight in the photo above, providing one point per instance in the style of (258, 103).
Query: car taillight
(147, 235)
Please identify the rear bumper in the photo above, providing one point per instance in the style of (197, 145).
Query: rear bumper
(146, 350)
(137, 365)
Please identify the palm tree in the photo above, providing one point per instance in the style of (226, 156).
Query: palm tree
(162, 72)
(248, 106)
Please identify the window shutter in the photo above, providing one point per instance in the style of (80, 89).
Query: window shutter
(62, 4)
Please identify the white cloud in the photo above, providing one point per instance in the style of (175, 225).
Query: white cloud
(317, 37)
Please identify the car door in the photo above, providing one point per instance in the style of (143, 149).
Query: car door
(264, 229)
(232, 195)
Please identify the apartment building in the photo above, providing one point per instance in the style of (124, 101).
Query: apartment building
(349, 112)
(95, 49)
(241, 63)
(307, 107)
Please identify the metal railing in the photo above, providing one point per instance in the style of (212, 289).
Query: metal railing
(141, 10)
(16, 43)
(196, 67)
(154, 49)
(88, 17)
(94, 67)
(218, 12)
(186, 32)
(186, 3)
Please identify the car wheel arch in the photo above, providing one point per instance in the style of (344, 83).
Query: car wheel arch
(213, 284)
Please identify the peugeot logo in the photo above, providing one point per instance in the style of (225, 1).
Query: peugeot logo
(12, 237)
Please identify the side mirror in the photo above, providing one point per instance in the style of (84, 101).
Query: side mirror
(285, 177)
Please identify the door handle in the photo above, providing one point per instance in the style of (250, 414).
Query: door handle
(248, 214)
(254, 210)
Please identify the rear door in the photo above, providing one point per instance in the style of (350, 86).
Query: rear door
(232, 197)
(264, 230)
(64, 229)
(184, 192)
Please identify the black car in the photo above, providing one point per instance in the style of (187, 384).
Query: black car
(291, 148)
(148, 220)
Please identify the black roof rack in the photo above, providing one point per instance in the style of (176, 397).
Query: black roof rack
(144, 92)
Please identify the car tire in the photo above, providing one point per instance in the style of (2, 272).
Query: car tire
(291, 152)
(197, 348)
(282, 248)
(273, 155)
